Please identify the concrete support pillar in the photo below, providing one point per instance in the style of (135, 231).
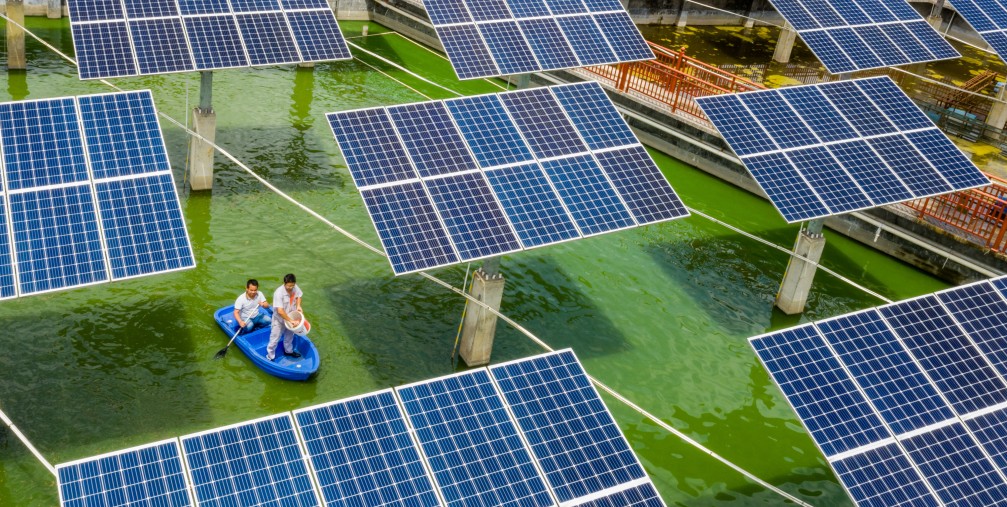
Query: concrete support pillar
(204, 123)
(306, 65)
(750, 20)
(54, 9)
(800, 273)
(683, 16)
(935, 18)
(998, 113)
(480, 325)
(785, 44)
(15, 35)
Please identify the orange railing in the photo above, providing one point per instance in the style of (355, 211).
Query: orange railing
(978, 214)
(673, 80)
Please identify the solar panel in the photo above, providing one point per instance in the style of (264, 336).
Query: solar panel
(141, 476)
(571, 433)
(471, 443)
(827, 149)
(866, 34)
(485, 38)
(929, 369)
(989, 19)
(254, 463)
(643, 495)
(362, 454)
(473, 177)
(89, 195)
(164, 36)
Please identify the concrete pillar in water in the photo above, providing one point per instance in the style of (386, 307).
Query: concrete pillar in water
(54, 9)
(15, 35)
(800, 273)
(204, 123)
(480, 325)
(998, 113)
(683, 16)
(935, 18)
(750, 19)
(785, 44)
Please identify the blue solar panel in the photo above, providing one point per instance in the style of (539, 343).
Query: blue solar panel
(823, 13)
(467, 51)
(827, 400)
(885, 371)
(7, 289)
(533, 207)
(796, 14)
(146, 476)
(431, 138)
(471, 443)
(487, 10)
(123, 135)
(587, 40)
(944, 155)
(907, 42)
(835, 187)
(990, 430)
(850, 12)
(56, 239)
(528, 8)
(909, 165)
(591, 199)
(643, 495)
(624, 37)
(143, 226)
(956, 468)
(267, 39)
(902, 111)
(954, 365)
(215, 42)
(548, 43)
(289, 5)
(559, 7)
(447, 12)
(95, 10)
(736, 123)
(136, 9)
(883, 477)
(542, 121)
(363, 455)
(789, 192)
(982, 312)
(603, 5)
(490, 133)
(473, 217)
(255, 5)
(253, 463)
(780, 121)
(371, 147)
(317, 35)
(855, 48)
(873, 175)
(571, 433)
(594, 115)
(885, 48)
(509, 48)
(858, 109)
(412, 234)
(829, 52)
(647, 193)
(932, 40)
(41, 143)
(191, 7)
(997, 40)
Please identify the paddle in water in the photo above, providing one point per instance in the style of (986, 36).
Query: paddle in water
(223, 352)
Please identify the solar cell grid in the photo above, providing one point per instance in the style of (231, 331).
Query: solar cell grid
(823, 13)
(857, 108)
(874, 176)
(990, 430)
(596, 118)
(508, 47)
(850, 12)
(431, 139)
(467, 51)
(532, 205)
(136, 9)
(643, 495)
(289, 5)
(587, 40)
(831, 54)
(255, 463)
(42, 143)
(371, 147)
(834, 185)
(862, 56)
(604, 5)
(571, 433)
(789, 192)
(7, 285)
(488, 10)
(907, 42)
(886, 50)
(471, 443)
(625, 39)
(911, 168)
(142, 476)
(267, 38)
(899, 108)
(543, 123)
(528, 8)
(559, 7)
(647, 193)
(255, 5)
(216, 43)
(193, 7)
(95, 10)
(982, 312)
(447, 12)
(883, 477)
(488, 130)
(736, 123)
(160, 46)
(472, 216)
(548, 43)
(362, 454)
(776, 116)
(950, 161)
(317, 35)
(956, 468)
(410, 230)
(796, 14)
(931, 40)
(819, 114)
(587, 193)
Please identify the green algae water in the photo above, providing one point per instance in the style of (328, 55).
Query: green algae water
(660, 313)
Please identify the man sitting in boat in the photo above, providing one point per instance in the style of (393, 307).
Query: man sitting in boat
(286, 300)
(246, 308)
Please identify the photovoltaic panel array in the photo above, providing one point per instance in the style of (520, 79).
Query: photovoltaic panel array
(531, 432)
(115, 38)
(850, 35)
(908, 401)
(485, 38)
(989, 18)
(833, 148)
(87, 194)
(463, 179)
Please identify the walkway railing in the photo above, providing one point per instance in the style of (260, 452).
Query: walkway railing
(979, 215)
(673, 80)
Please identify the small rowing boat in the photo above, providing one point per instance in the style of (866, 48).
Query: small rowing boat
(254, 346)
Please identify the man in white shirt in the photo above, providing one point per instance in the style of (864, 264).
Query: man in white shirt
(286, 300)
(246, 308)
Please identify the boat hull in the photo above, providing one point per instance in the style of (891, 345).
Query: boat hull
(254, 346)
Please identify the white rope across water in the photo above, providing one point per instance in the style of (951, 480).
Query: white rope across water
(457, 290)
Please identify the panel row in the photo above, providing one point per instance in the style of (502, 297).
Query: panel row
(113, 40)
(907, 401)
(532, 432)
(989, 18)
(87, 194)
(828, 149)
(849, 35)
(473, 177)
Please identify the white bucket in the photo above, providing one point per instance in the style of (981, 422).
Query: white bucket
(302, 325)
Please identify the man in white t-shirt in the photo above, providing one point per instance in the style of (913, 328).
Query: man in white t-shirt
(286, 300)
(246, 308)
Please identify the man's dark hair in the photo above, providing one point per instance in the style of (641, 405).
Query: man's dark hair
(251, 282)
(289, 278)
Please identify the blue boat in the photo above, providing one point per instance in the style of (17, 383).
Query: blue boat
(254, 346)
